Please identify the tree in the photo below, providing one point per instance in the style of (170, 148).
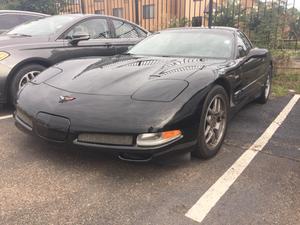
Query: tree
(268, 23)
(42, 6)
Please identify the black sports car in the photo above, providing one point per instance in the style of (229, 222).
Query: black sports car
(174, 91)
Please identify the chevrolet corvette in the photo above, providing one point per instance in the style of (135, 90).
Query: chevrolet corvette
(174, 91)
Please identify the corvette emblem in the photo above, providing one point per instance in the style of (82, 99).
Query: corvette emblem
(63, 99)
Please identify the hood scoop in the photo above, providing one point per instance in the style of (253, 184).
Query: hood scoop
(132, 63)
(143, 63)
(182, 69)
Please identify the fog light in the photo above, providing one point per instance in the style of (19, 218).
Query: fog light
(155, 139)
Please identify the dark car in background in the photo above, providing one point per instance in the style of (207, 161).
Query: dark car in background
(173, 91)
(30, 48)
(11, 18)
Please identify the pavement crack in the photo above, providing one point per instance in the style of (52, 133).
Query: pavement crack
(279, 156)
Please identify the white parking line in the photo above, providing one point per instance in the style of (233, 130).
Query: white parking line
(207, 201)
(6, 117)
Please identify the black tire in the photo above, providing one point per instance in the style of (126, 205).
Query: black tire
(203, 150)
(266, 90)
(14, 86)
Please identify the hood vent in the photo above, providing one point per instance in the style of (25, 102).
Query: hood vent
(143, 63)
(118, 63)
(181, 61)
(178, 70)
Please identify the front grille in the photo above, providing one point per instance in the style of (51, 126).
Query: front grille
(108, 139)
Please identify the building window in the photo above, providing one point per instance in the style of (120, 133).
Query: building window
(99, 11)
(75, 2)
(118, 12)
(148, 11)
(197, 21)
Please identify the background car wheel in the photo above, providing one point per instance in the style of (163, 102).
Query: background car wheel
(265, 93)
(213, 123)
(22, 77)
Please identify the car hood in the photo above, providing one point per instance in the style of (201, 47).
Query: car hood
(124, 75)
(15, 41)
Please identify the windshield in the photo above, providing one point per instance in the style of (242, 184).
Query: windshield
(196, 43)
(45, 26)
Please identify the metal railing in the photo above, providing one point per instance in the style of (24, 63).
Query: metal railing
(268, 23)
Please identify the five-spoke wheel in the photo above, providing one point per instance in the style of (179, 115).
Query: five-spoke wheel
(24, 75)
(213, 123)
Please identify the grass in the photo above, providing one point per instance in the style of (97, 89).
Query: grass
(287, 54)
(285, 82)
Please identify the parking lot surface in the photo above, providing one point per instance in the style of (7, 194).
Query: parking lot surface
(43, 183)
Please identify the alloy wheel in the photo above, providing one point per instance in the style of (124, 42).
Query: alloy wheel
(268, 86)
(215, 122)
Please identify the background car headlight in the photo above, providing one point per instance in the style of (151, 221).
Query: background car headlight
(155, 139)
(3, 55)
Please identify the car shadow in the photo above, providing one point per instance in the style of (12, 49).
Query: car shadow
(6, 110)
(90, 159)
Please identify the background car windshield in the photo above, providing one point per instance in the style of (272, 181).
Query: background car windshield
(44, 26)
(202, 44)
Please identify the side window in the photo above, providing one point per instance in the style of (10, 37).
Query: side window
(242, 47)
(124, 30)
(246, 41)
(96, 28)
(141, 32)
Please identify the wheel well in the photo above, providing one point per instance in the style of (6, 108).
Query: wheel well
(18, 67)
(225, 84)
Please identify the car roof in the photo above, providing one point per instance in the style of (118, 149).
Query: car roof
(107, 16)
(22, 12)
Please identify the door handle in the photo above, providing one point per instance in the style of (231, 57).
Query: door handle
(108, 44)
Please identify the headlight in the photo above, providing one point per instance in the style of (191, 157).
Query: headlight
(155, 139)
(3, 55)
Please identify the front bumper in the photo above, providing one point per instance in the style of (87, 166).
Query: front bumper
(55, 132)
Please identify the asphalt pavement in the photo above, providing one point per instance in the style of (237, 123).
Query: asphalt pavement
(44, 183)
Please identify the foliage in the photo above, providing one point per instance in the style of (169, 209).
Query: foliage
(294, 24)
(285, 82)
(42, 6)
(178, 22)
(268, 25)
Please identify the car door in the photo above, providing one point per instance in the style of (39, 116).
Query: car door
(99, 44)
(126, 35)
(251, 70)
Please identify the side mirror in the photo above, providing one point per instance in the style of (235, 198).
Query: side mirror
(241, 51)
(79, 36)
(257, 53)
